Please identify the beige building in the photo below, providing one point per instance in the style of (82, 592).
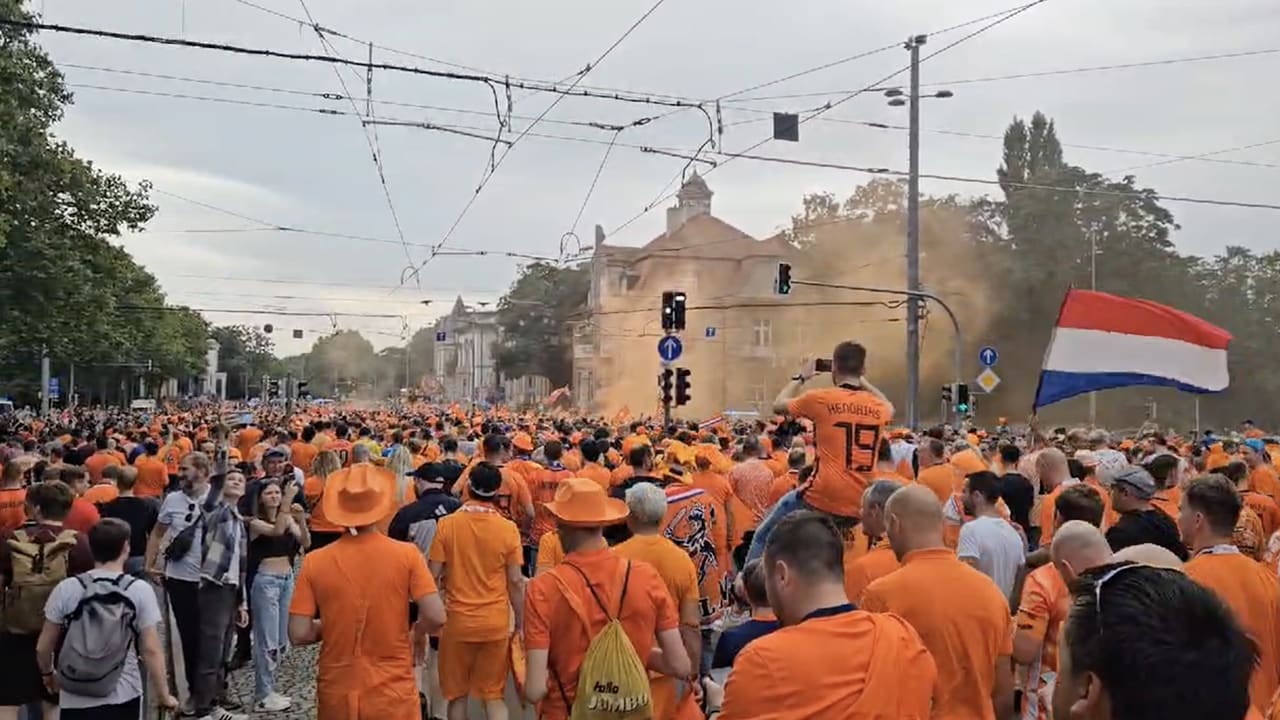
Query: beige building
(464, 360)
(736, 341)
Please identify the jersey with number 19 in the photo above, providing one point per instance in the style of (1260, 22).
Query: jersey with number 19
(848, 426)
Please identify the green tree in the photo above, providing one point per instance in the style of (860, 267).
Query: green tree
(64, 288)
(342, 364)
(245, 354)
(534, 316)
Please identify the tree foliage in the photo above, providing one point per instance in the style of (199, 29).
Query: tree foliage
(65, 289)
(534, 318)
(245, 354)
(1059, 225)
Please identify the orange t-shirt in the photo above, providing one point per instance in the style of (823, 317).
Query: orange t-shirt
(751, 482)
(620, 474)
(1041, 611)
(781, 485)
(838, 664)
(13, 508)
(1263, 479)
(102, 493)
(862, 571)
(963, 619)
(98, 462)
(848, 427)
(550, 552)
(342, 449)
(246, 439)
(477, 546)
(361, 585)
(153, 477)
(313, 491)
(82, 516)
(941, 479)
(302, 455)
(647, 609)
(597, 472)
(1250, 590)
(543, 484)
(681, 577)
(1168, 501)
(1267, 510)
(512, 496)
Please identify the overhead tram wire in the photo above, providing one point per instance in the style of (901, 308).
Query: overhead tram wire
(1044, 73)
(374, 150)
(409, 69)
(493, 169)
(1000, 19)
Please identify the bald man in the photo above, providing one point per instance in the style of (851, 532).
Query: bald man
(961, 615)
(1149, 554)
(1078, 546)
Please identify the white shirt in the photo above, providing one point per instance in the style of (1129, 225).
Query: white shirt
(997, 549)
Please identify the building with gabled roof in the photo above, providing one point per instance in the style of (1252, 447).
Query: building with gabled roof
(731, 342)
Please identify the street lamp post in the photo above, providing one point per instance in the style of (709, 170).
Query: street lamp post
(913, 45)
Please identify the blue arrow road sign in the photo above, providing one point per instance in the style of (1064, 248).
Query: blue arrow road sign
(711, 332)
(669, 348)
(988, 356)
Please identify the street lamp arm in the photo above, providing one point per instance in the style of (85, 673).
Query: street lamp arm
(921, 294)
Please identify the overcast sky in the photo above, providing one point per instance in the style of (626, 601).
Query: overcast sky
(314, 171)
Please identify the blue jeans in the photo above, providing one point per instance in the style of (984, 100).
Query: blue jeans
(789, 503)
(269, 606)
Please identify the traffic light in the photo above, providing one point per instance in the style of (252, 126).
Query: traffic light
(303, 392)
(948, 394)
(273, 389)
(673, 309)
(682, 386)
(782, 284)
(962, 398)
(664, 383)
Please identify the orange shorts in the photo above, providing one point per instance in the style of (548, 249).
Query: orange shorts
(475, 669)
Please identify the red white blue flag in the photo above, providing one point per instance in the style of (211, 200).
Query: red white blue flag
(1104, 341)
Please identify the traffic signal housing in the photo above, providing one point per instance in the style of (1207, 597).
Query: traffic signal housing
(303, 392)
(683, 385)
(963, 405)
(673, 310)
(273, 389)
(948, 394)
(782, 283)
(665, 385)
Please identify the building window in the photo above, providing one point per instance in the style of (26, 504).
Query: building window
(762, 333)
(757, 397)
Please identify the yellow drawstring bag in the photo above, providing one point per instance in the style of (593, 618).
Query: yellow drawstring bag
(612, 682)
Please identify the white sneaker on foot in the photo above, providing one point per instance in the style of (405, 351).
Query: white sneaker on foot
(273, 703)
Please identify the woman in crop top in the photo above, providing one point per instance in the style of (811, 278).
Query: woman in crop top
(277, 531)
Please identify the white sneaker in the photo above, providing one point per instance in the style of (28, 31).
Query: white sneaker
(224, 714)
(273, 703)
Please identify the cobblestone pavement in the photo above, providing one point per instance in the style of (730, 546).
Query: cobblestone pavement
(297, 679)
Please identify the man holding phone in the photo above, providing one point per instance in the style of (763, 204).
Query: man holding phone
(849, 421)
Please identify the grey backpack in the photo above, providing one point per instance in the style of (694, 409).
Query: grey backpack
(99, 637)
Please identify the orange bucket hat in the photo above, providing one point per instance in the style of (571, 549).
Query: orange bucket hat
(359, 495)
(522, 441)
(581, 502)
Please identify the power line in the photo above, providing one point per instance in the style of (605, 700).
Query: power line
(1201, 156)
(254, 311)
(1000, 19)
(491, 81)
(369, 139)
(493, 167)
(987, 181)
(319, 283)
(1045, 73)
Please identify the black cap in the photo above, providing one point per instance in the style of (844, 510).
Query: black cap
(442, 473)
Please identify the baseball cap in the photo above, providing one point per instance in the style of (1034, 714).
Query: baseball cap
(1136, 479)
(1087, 458)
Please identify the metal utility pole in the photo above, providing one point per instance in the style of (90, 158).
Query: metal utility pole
(289, 394)
(913, 233)
(44, 383)
(1093, 285)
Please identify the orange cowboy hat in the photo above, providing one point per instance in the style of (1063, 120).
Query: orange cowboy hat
(358, 496)
(581, 502)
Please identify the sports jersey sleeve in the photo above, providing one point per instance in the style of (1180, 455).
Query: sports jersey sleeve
(537, 613)
(304, 597)
(1034, 610)
(807, 405)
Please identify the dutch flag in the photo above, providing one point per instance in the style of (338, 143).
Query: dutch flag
(1104, 341)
